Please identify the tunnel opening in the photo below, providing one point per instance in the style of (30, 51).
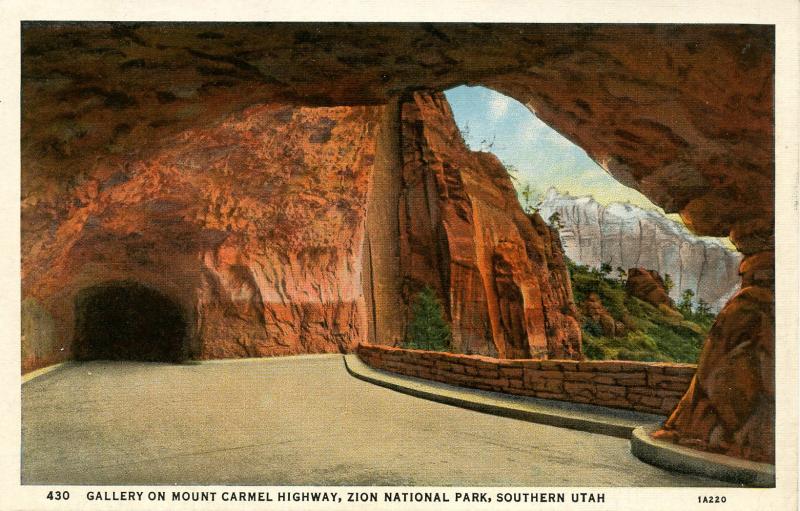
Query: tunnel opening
(126, 320)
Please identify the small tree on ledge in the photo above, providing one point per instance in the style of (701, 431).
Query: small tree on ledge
(555, 221)
(668, 283)
(428, 329)
(685, 306)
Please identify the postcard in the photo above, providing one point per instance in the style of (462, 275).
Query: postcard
(466, 256)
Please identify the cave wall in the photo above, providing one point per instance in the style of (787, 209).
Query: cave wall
(289, 230)
(382, 275)
(254, 227)
(730, 405)
(683, 113)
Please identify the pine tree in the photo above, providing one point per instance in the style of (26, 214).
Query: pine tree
(531, 199)
(428, 329)
(686, 303)
(555, 221)
(703, 309)
(668, 283)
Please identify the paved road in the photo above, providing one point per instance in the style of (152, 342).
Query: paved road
(297, 421)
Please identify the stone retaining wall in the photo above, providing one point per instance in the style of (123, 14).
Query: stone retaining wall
(641, 386)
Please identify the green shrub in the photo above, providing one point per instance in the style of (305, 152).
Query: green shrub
(594, 348)
(592, 327)
(686, 303)
(653, 335)
(428, 329)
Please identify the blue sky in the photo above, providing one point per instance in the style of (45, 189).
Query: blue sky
(541, 155)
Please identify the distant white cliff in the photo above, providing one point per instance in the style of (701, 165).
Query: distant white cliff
(628, 236)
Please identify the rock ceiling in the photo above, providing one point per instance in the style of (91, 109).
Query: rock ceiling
(684, 113)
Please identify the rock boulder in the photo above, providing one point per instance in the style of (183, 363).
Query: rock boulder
(647, 285)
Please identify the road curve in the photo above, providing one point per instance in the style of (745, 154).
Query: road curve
(293, 421)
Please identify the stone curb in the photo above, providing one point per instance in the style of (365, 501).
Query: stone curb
(691, 461)
(27, 377)
(30, 376)
(606, 421)
(258, 359)
(590, 418)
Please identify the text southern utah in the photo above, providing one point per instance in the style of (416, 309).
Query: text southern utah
(531, 497)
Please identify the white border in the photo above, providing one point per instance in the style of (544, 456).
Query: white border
(782, 13)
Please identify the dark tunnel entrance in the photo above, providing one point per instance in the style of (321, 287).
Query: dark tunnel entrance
(128, 321)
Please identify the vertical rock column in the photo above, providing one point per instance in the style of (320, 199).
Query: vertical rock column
(730, 405)
(438, 239)
(381, 254)
(442, 216)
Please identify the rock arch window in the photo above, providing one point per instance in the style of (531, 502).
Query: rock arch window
(607, 230)
(126, 320)
(536, 155)
(551, 175)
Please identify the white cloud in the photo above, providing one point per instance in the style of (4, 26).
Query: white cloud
(531, 129)
(498, 106)
(559, 140)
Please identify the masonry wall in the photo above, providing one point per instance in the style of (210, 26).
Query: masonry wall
(640, 386)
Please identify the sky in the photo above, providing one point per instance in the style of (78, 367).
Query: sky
(541, 156)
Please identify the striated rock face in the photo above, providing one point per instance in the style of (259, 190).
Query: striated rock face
(254, 228)
(627, 236)
(647, 285)
(500, 273)
(730, 405)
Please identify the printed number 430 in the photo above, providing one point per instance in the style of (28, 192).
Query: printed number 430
(58, 495)
(711, 499)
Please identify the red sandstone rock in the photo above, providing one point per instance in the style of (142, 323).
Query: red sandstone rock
(254, 227)
(98, 97)
(683, 113)
(730, 406)
(594, 309)
(500, 273)
(647, 285)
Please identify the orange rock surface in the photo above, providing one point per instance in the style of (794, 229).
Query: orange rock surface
(254, 227)
(500, 272)
(730, 405)
(683, 113)
(594, 309)
(647, 285)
